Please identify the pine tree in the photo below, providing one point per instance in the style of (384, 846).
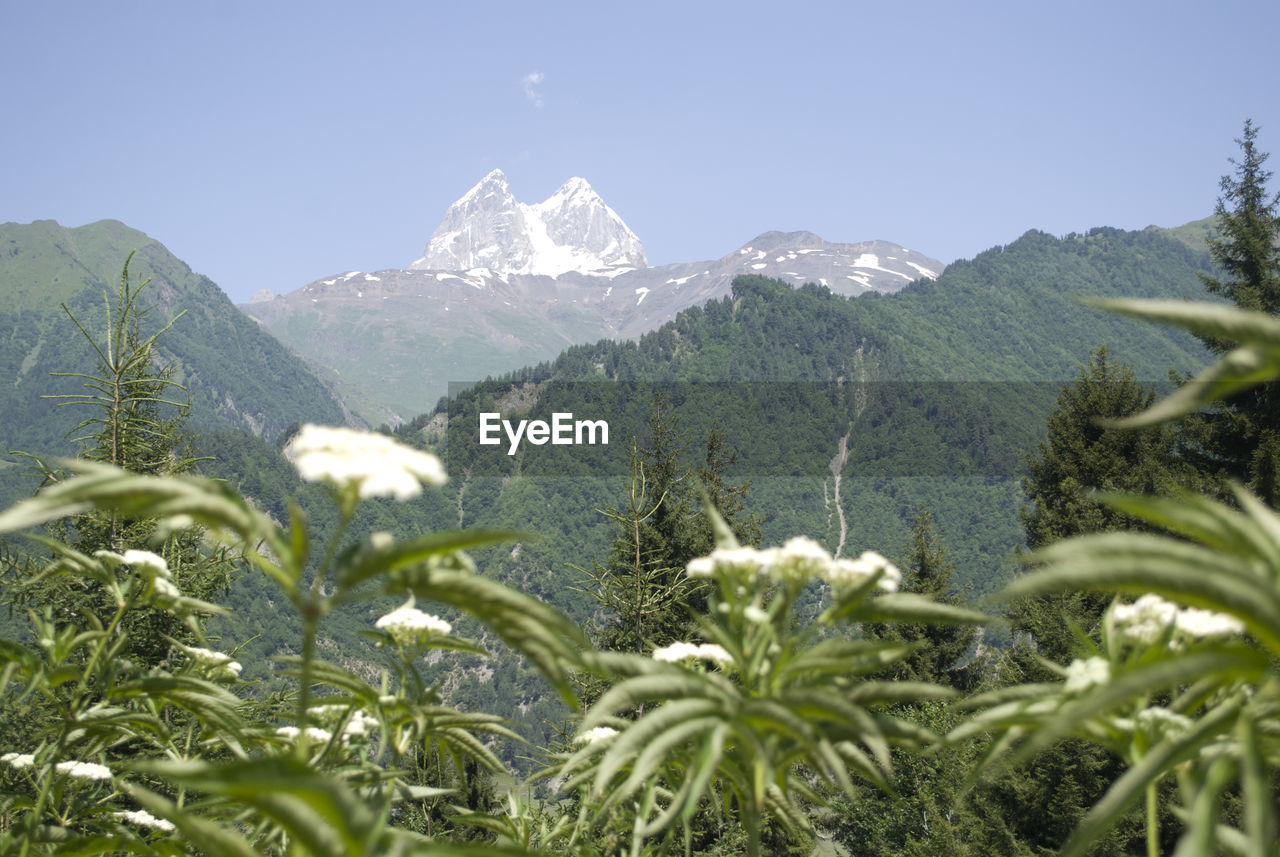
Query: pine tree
(638, 586)
(135, 423)
(927, 570)
(1240, 439)
(1081, 455)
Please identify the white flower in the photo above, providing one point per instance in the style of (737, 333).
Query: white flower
(407, 624)
(1082, 675)
(849, 573)
(752, 613)
(84, 770)
(359, 725)
(800, 559)
(19, 760)
(1145, 620)
(219, 664)
(165, 590)
(1198, 623)
(315, 733)
(739, 562)
(712, 652)
(677, 652)
(148, 560)
(890, 576)
(378, 465)
(208, 657)
(591, 736)
(1162, 723)
(703, 566)
(142, 818)
(1148, 618)
(327, 712)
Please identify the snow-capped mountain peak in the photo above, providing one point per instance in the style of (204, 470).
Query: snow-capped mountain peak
(572, 230)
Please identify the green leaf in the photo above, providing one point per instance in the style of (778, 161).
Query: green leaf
(372, 562)
(321, 814)
(539, 632)
(215, 840)
(1131, 786)
(1142, 562)
(911, 607)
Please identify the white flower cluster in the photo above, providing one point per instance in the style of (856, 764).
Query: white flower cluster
(84, 770)
(1150, 617)
(1086, 674)
(149, 565)
(592, 736)
(314, 733)
(358, 725)
(1162, 723)
(154, 563)
(677, 652)
(220, 664)
(142, 818)
(18, 760)
(378, 465)
(800, 559)
(407, 624)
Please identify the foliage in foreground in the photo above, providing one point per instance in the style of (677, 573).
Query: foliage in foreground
(1183, 684)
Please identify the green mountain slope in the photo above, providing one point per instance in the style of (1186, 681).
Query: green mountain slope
(237, 374)
(941, 390)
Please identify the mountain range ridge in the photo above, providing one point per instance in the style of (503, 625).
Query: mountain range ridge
(502, 283)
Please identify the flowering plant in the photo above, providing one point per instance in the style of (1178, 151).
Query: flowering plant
(747, 717)
(149, 758)
(1183, 683)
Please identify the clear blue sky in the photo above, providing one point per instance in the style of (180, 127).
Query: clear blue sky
(269, 144)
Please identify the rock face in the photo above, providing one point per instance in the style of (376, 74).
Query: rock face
(572, 230)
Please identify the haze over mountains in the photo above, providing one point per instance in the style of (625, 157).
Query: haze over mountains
(502, 284)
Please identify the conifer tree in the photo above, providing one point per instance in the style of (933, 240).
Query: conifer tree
(658, 529)
(135, 422)
(1240, 439)
(1082, 455)
(927, 571)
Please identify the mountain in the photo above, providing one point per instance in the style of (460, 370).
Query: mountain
(238, 376)
(504, 284)
(573, 230)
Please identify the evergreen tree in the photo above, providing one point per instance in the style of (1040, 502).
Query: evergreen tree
(658, 529)
(1240, 439)
(637, 586)
(1043, 803)
(1081, 455)
(135, 424)
(940, 648)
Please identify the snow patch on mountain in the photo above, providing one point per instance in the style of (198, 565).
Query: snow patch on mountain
(572, 230)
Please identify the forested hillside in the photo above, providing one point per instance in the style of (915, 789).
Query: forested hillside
(237, 375)
(943, 389)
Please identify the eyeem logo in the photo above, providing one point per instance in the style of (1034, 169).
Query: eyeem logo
(562, 430)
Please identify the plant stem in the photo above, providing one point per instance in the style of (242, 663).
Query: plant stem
(1153, 822)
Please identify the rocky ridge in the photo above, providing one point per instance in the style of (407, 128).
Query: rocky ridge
(503, 284)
